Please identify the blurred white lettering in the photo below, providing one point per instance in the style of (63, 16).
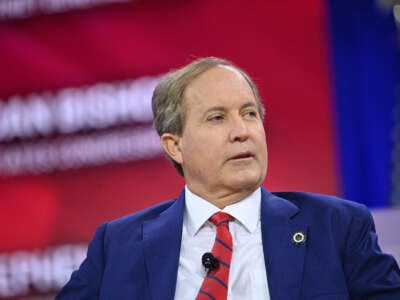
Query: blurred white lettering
(26, 8)
(44, 271)
(73, 109)
(98, 148)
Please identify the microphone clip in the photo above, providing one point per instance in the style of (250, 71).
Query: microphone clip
(209, 261)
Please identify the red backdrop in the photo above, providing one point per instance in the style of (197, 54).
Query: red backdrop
(281, 44)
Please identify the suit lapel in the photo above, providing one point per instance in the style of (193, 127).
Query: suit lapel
(162, 240)
(284, 259)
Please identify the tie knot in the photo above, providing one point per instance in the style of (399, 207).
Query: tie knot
(220, 218)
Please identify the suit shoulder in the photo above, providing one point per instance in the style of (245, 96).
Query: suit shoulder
(325, 214)
(322, 202)
(131, 225)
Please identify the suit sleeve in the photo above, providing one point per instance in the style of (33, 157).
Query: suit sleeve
(85, 282)
(371, 274)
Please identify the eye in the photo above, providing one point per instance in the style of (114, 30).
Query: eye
(216, 117)
(251, 114)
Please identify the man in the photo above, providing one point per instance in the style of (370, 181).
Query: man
(263, 245)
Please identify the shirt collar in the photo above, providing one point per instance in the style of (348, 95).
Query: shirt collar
(199, 210)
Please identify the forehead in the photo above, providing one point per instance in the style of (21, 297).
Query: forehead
(220, 83)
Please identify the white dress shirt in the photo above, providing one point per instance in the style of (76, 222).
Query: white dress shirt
(247, 276)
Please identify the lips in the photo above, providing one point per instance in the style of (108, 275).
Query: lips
(242, 155)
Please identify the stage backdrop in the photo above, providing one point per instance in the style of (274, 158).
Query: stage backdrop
(77, 146)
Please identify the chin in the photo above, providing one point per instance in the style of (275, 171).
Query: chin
(247, 181)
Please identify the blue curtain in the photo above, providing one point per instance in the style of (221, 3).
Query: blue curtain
(365, 61)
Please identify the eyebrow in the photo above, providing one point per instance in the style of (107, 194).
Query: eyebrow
(249, 104)
(215, 108)
(222, 108)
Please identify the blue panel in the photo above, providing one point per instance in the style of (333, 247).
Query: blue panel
(366, 71)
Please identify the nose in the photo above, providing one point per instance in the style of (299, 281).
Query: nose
(239, 130)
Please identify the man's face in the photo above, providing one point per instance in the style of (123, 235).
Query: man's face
(222, 148)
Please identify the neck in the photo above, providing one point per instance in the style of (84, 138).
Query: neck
(222, 199)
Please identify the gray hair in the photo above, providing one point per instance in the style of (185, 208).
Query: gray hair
(167, 100)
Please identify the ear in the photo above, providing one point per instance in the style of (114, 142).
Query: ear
(170, 143)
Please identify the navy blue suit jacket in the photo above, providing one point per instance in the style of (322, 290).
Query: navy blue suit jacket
(137, 256)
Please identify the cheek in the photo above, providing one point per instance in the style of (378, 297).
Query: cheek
(205, 151)
(262, 146)
(262, 139)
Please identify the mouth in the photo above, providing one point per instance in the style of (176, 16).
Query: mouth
(242, 156)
